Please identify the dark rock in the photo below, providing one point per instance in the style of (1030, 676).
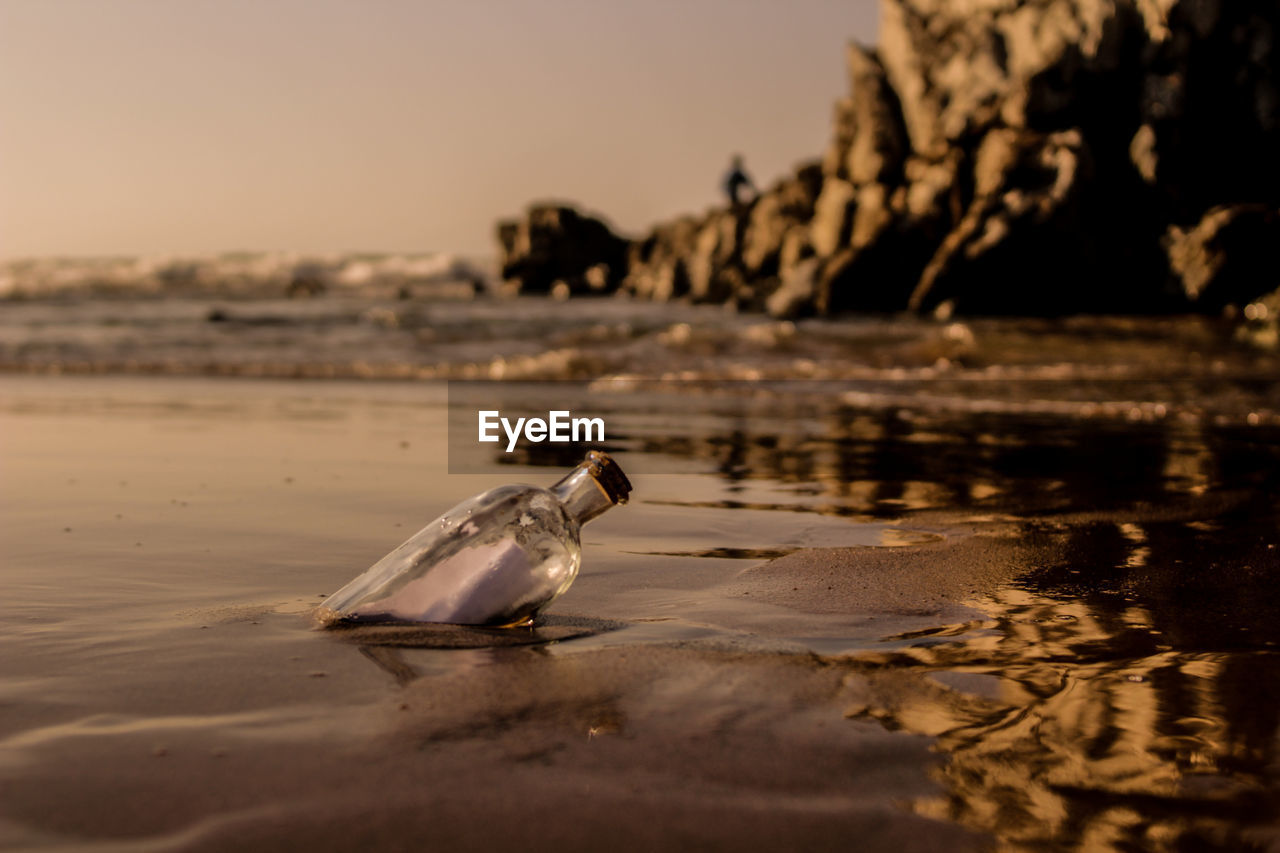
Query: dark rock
(989, 261)
(1210, 106)
(730, 255)
(715, 250)
(879, 262)
(961, 68)
(1041, 156)
(936, 195)
(832, 217)
(1229, 257)
(874, 278)
(869, 141)
(796, 293)
(554, 248)
(308, 279)
(656, 265)
(770, 242)
(1028, 244)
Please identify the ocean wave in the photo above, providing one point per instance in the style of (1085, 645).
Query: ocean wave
(241, 274)
(1108, 368)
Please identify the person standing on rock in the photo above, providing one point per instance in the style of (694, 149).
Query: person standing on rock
(737, 182)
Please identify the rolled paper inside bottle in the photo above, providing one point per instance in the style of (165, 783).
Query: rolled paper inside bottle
(486, 584)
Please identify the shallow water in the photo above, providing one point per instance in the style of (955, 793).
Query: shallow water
(1058, 629)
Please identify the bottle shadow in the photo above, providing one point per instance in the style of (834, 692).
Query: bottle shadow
(385, 645)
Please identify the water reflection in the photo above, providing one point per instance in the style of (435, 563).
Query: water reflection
(885, 457)
(1125, 694)
(1107, 709)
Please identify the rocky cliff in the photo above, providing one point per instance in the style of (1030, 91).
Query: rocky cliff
(993, 156)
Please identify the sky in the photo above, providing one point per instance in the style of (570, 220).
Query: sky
(200, 126)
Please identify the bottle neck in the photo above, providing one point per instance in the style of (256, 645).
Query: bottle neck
(582, 495)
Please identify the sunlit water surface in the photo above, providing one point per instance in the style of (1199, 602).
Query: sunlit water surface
(1120, 690)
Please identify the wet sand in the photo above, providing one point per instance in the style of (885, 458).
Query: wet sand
(913, 681)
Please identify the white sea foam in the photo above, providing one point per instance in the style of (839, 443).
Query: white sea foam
(237, 273)
(423, 317)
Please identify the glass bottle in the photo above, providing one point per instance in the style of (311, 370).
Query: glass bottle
(496, 559)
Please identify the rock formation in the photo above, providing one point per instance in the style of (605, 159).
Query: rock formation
(557, 250)
(996, 156)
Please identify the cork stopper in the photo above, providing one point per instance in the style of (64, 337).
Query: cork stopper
(606, 472)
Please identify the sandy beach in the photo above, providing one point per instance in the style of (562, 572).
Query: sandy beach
(165, 541)
(733, 667)
(939, 342)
